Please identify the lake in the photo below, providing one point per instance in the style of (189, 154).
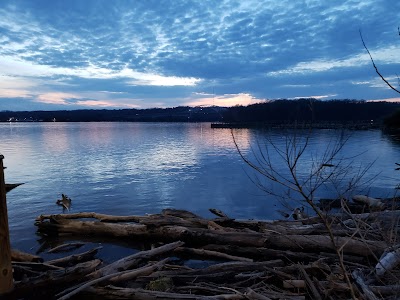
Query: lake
(142, 168)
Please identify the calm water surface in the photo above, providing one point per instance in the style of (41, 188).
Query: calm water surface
(139, 168)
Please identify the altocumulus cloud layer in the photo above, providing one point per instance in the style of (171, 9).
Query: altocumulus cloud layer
(57, 54)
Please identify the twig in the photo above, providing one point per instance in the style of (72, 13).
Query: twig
(376, 68)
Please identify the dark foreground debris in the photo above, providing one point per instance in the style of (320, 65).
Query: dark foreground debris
(251, 259)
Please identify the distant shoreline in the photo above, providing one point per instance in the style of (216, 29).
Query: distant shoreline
(301, 125)
(277, 114)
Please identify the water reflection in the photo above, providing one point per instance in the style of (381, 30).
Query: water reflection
(138, 168)
(363, 157)
(55, 138)
(393, 136)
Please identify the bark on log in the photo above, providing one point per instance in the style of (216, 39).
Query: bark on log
(217, 278)
(20, 256)
(65, 247)
(368, 294)
(44, 267)
(228, 267)
(111, 292)
(310, 284)
(165, 233)
(388, 261)
(318, 243)
(261, 252)
(200, 236)
(52, 279)
(75, 258)
(372, 202)
(387, 218)
(115, 277)
(294, 284)
(252, 295)
(210, 254)
(387, 290)
(58, 225)
(132, 260)
(91, 215)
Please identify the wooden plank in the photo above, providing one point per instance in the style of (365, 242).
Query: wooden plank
(6, 275)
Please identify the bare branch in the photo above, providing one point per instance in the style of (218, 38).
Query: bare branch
(376, 68)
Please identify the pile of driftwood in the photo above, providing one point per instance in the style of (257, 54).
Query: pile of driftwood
(251, 259)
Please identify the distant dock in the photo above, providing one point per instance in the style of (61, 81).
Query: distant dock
(367, 125)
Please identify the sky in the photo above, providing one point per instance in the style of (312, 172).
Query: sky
(96, 54)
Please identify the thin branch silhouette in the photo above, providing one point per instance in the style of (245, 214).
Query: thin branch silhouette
(375, 67)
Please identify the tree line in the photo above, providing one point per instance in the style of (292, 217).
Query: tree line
(283, 110)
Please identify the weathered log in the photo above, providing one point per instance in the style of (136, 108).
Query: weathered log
(132, 260)
(75, 258)
(166, 233)
(218, 213)
(20, 256)
(234, 267)
(180, 218)
(57, 225)
(387, 290)
(184, 214)
(358, 277)
(261, 252)
(20, 272)
(44, 267)
(307, 243)
(52, 279)
(115, 277)
(214, 226)
(311, 229)
(294, 284)
(317, 243)
(210, 254)
(112, 292)
(252, 295)
(155, 220)
(92, 215)
(310, 284)
(368, 216)
(65, 247)
(218, 277)
(388, 261)
(372, 202)
(201, 289)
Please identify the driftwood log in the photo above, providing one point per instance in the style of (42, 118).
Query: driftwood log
(162, 227)
(242, 259)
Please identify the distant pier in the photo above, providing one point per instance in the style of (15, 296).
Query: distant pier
(301, 125)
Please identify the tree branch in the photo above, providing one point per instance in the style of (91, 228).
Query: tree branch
(376, 68)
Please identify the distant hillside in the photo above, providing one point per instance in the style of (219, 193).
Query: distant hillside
(176, 114)
(313, 110)
(304, 110)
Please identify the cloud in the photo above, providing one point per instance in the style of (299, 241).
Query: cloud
(55, 98)
(319, 97)
(384, 56)
(223, 100)
(164, 52)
